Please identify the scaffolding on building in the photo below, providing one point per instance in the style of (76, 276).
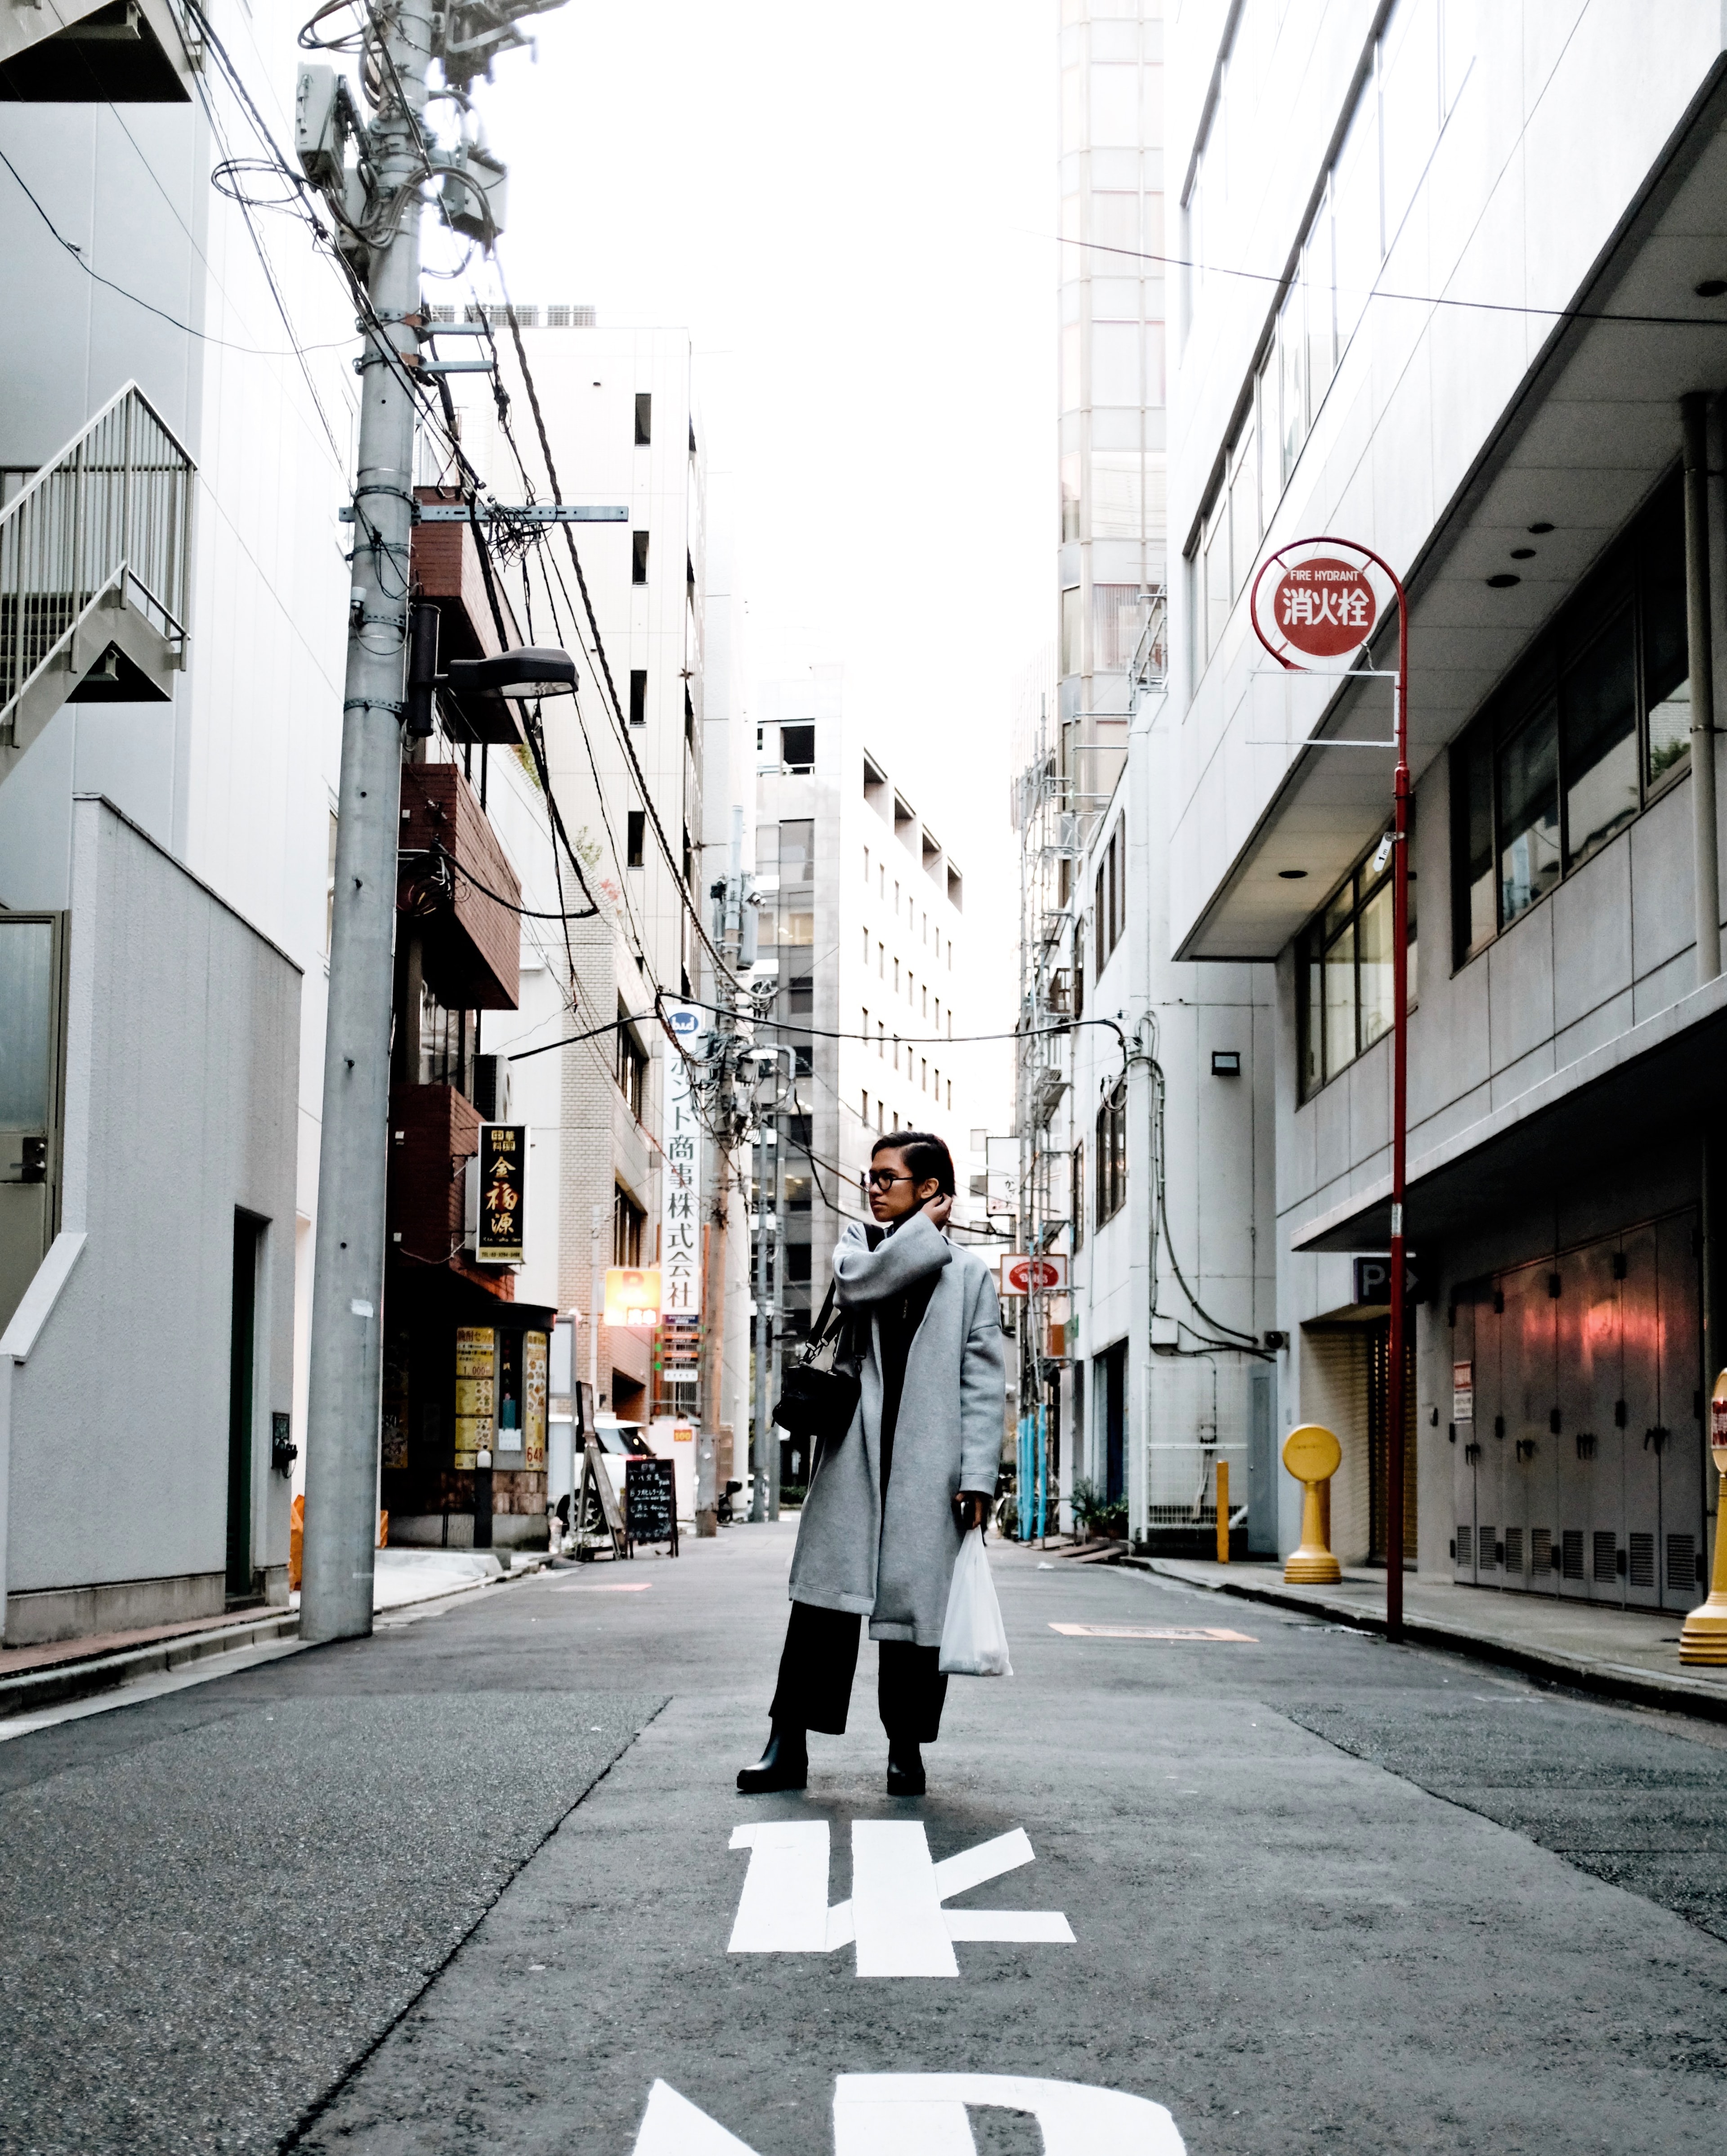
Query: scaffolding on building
(1060, 796)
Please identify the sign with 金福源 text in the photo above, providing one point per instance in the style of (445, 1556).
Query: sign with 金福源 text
(501, 1240)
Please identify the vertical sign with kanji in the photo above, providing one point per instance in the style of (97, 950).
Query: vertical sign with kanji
(680, 1200)
(503, 1178)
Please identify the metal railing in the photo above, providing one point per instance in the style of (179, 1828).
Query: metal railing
(112, 511)
(1150, 667)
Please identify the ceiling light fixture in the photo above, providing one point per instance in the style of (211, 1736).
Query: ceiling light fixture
(1502, 581)
(1522, 553)
(1710, 288)
(1292, 876)
(1538, 529)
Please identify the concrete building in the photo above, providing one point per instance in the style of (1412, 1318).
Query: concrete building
(1454, 269)
(626, 760)
(861, 934)
(170, 563)
(1145, 1135)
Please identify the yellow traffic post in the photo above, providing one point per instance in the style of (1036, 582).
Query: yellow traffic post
(1703, 1636)
(1223, 1512)
(1312, 1455)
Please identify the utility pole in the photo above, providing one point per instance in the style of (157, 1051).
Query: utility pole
(760, 1433)
(348, 1293)
(396, 159)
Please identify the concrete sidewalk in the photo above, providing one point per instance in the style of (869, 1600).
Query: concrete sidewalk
(1625, 1654)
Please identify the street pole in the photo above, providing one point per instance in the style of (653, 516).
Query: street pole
(348, 1293)
(758, 1449)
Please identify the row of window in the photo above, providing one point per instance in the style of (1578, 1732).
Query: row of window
(1594, 722)
(1591, 725)
(885, 1041)
(912, 987)
(1118, 614)
(1420, 61)
(880, 1119)
(880, 871)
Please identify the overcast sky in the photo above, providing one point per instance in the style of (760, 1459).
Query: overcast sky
(851, 210)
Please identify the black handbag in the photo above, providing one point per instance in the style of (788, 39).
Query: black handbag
(818, 1404)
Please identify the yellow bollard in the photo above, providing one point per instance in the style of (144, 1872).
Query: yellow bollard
(1703, 1636)
(1312, 1455)
(1223, 1512)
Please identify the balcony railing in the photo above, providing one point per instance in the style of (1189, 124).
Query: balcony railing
(111, 512)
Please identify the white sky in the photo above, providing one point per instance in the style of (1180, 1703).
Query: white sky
(851, 209)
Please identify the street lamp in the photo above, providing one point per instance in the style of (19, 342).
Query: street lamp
(526, 671)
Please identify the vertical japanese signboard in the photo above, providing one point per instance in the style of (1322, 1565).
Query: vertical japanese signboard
(503, 1178)
(475, 1364)
(534, 1347)
(680, 1200)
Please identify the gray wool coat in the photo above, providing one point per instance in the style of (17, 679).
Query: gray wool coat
(894, 1570)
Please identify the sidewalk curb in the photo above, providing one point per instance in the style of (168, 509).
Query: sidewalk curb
(1613, 1680)
(31, 1689)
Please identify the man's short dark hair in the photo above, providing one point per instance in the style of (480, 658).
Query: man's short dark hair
(926, 1157)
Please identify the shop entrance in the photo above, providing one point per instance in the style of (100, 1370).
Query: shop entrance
(1578, 1424)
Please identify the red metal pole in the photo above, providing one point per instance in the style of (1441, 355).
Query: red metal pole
(1396, 1408)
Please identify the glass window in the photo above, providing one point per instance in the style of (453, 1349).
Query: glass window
(797, 849)
(1115, 363)
(1316, 275)
(1243, 505)
(1376, 944)
(1340, 1001)
(27, 1003)
(1292, 376)
(1115, 221)
(1115, 106)
(1666, 659)
(1115, 300)
(1474, 781)
(1409, 102)
(1598, 707)
(1118, 494)
(1215, 601)
(1072, 630)
(1529, 814)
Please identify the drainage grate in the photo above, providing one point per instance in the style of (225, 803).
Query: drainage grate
(1643, 1560)
(1541, 1550)
(1514, 1550)
(1484, 1558)
(1606, 1545)
(1571, 1549)
(1682, 1567)
(1465, 1555)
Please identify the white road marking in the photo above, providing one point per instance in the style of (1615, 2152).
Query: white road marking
(1154, 1632)
(895, 1909)
(904, 1931)
(926, 2115)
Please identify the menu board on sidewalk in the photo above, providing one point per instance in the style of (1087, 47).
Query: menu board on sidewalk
(475, 1361)
(650, 1501)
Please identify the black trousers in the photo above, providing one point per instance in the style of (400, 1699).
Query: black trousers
(819, 1660)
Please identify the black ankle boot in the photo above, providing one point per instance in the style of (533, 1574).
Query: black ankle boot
(784, 1765)
(905, 1769)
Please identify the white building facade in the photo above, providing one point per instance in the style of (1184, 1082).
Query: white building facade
(1455, 270)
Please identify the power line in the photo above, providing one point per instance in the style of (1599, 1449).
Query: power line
(1413, 299)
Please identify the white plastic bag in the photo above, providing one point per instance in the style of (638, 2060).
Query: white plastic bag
(974, 1641)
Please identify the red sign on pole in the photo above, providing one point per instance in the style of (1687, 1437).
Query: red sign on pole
(1314, 606)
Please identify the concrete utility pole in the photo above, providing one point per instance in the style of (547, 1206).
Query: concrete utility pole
(765, 1330)
(347, 1294)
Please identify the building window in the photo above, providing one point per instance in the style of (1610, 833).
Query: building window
(1078, 1222)
(643, 418)
(638, 695)
(881, 960)
(446, 1041)
(866, 950)
(639, 557)
(637, 838)
(797, 851)
(866, 868)
(631, 1066)
(797, 748)
(867, 1109)
(1111, 1152)
(1110, 910)
(1072, 625)
(1593, 723)
(1079, 968)
(628, 1220)
(1344, 975)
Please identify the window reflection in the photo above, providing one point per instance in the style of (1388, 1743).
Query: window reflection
(1340, 1002)
(1529, 814)
(1598, 700)
(1376, 945)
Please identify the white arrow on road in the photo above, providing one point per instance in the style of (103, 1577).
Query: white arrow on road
(895, 1915)
(926, 2115)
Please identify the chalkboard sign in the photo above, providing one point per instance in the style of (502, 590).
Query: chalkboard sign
(650, 1502)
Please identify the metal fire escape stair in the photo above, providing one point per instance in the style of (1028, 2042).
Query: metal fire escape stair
(94, 553)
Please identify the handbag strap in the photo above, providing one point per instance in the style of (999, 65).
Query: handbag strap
(819, 1332)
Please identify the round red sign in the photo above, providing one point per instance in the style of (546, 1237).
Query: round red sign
(1324, 608)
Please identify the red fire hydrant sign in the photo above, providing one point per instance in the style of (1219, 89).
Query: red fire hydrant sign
(1322, 608)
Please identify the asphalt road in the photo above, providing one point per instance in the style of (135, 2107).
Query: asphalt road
(472, 1884)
